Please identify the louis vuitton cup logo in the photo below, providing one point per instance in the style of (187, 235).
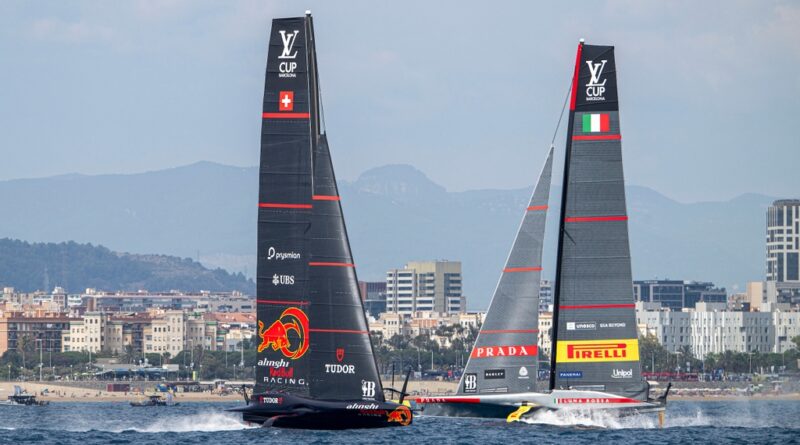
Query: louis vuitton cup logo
(286, 68)
(288, 40)
(596, 89)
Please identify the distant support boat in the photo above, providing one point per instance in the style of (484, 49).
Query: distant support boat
(156, 400)
(20, 398)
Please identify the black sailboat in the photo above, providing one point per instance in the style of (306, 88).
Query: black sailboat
(595, 360)
(316, 368)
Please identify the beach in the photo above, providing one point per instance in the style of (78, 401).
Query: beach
(66, 392)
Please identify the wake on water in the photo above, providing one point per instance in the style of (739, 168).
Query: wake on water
(600, 419)
(199, 422)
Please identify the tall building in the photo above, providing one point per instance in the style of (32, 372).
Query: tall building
(433, 286)
(373, 294)
(676, 294)
(783, 252)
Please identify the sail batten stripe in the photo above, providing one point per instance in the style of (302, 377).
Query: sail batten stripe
(285, 115)
(338, 331)
(532, 208)
(598, 306)
(287, 303)
(598, 137)
(510, 331)
(596, 218)
(330, 264)
(326, 198)
(522, 269)
(283, 205)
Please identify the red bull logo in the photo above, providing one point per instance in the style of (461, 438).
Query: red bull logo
(292, 321)
(401, 415)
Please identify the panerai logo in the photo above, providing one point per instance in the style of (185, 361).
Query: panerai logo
(286, 69)
(596, 89)
(622, 374)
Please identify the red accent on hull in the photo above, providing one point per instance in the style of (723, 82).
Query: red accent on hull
(283, 303)
(596, 400)
(596, 218)
(522, 269)
(598, 306)
(531, 208)
(447, 400)
(599, 137)
(285, 115)
(276, 205)
(332, 264)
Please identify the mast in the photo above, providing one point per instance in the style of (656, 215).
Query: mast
(562, 216)
(505, 356)
(595, 340)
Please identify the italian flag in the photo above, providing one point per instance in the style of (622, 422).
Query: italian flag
(595, 123)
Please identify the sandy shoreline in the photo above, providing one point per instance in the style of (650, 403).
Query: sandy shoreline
(75, 394)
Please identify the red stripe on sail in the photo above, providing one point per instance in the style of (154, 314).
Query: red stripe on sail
(599, 137)
(332, 264)
(285, 115)
(605, 126)
(339, 331)
(596, 218)
(598, 306)
(522, 269)
(511, 331)
(278, 205)
(325, 198)
(531, 208)
(286, 303)
(575, 78)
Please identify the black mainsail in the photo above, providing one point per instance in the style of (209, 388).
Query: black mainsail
(505, 356)
(316, 367)
(595, 335)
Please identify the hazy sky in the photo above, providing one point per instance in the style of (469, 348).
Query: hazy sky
(709, 91)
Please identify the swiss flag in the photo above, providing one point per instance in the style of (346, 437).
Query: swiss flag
(286, 101)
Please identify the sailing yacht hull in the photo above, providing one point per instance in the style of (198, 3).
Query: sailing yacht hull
(501, 406)
(289, 411)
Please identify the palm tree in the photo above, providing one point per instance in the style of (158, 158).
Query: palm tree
(24, 344)
(128, 354)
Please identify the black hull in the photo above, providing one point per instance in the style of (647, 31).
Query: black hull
(482, 410)
(301, 413)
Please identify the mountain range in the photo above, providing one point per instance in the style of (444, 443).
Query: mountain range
(394, 214)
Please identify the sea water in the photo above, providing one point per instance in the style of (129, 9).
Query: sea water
(716, 422)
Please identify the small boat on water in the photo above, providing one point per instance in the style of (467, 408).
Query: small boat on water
(594, 364)
(156, 400)
(21, 398)
(316, 368)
